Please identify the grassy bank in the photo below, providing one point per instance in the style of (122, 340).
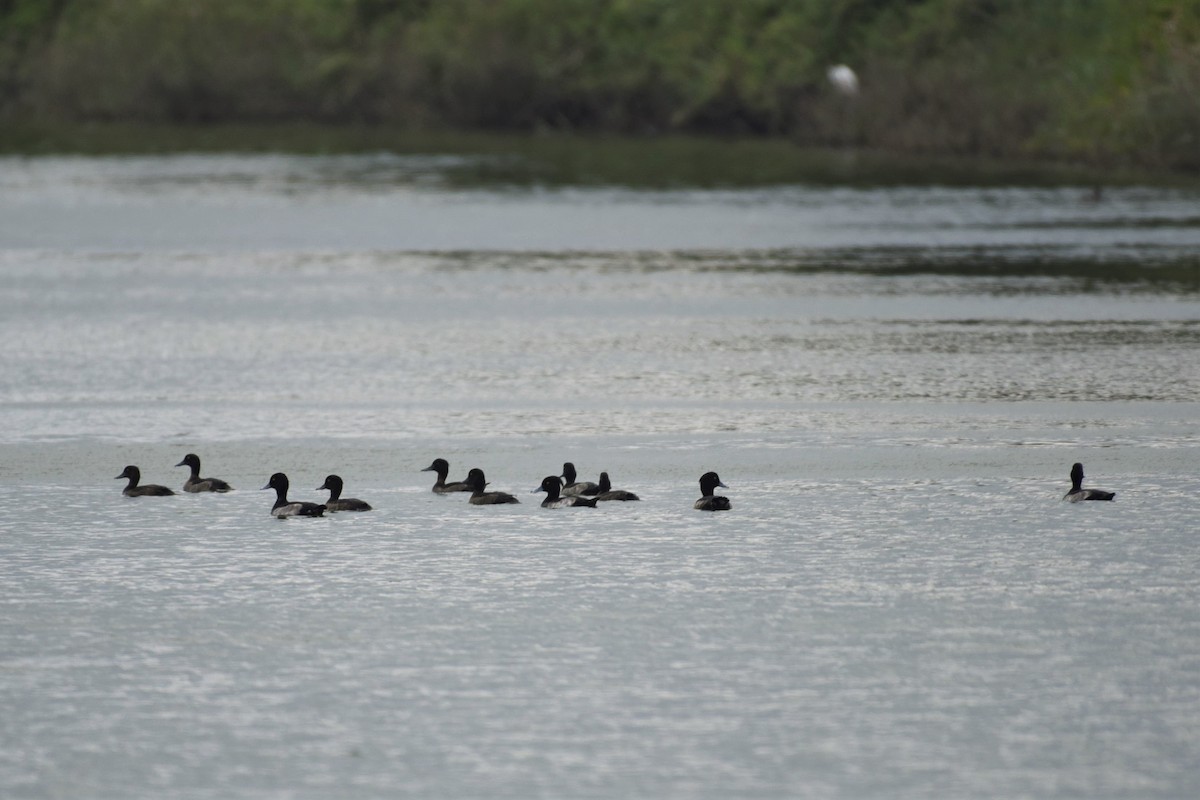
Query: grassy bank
(576, 159)
(1110, 82)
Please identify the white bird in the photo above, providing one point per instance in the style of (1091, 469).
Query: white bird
(843, 80)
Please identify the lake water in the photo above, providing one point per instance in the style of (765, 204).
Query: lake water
(893, 381)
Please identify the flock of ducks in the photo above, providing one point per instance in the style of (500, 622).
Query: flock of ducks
(562, 491)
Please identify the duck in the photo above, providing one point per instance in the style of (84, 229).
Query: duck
(552, 487)
(710, 501)
(609, 493)
(479, 497)
(197, 484)
(442, 467)
(336, 502)
(1078, 493)
(572, 487)
(133, 490)
(286, 508)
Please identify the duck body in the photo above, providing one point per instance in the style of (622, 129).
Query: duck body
(442, 467)
(479, 497)
(709, 501)
(555, 499)
(347, 504)
(134, 476)
(336, 502)
(195, 483)
(1078, 493)
(608, 493)
(712, 503)
(570, 486)
(285, 508)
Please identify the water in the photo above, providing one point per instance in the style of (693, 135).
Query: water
(894, 382)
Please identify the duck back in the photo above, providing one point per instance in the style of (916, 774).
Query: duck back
(492, 499)
(713, 502)
(1088, 494)
(149, 490)
(206, 485)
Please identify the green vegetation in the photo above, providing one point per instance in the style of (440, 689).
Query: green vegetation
(1099, 81)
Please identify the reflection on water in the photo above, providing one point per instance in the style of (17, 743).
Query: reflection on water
(505, 333)
(346, 289)
(405, 203)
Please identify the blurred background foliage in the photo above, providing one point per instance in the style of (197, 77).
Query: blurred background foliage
(1101, 81)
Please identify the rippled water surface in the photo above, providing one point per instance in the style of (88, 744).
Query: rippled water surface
(894, 383)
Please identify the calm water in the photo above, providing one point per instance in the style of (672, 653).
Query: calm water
(894, 383)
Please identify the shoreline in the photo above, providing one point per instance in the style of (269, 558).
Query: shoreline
(582, 159)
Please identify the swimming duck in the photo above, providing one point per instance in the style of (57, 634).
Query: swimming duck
(481, 498)
(285, 508)
(609, 493)
(197, 484)
(442, 467)
(570, 486)
(710, 501)
(552, 487)
(133, 490)
(1078, 493)
(336, 502)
